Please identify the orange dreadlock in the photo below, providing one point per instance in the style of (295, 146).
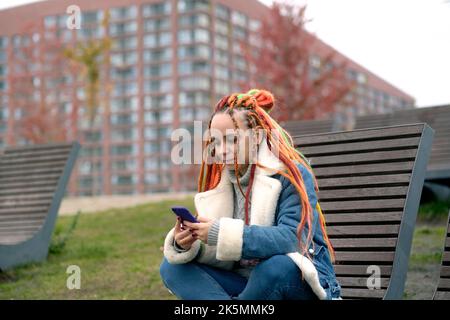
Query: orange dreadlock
(256, 104)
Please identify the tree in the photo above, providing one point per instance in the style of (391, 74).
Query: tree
(33, 119)
(306, 77)
(88, 55)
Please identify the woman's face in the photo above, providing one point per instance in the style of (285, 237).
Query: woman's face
(226, 138)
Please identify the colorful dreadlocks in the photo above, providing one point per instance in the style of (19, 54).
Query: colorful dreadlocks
(256, 105)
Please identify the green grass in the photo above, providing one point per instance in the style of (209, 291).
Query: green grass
(436, 211)
(118, 251)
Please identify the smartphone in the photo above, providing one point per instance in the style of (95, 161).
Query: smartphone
(184, 214)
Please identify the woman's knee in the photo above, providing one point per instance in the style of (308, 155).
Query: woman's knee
(278, 268)
(167, 271)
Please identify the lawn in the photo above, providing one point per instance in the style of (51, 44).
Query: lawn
(119, 253)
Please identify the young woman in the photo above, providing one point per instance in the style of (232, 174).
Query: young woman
(261, 234)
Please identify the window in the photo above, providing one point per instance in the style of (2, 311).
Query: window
(121, 135)
(221, 27)
(222, 72)
(121, 104)
(194, 99)
(120, 150)
(239, 19)
(124, 89)
(124, 165)
(254, 25)
(161, 8)
(199, 20)
(123, 13)
(157, 55)
(163, 101)
(222, 87)
(194, 35)
(123, 59)
(221, 42)
(222, 12)
(152, 25)
(122, 28)
(157, 39)
(125, 73)
(195, 83)
(158, 70)
(154, 86)
(124, 43)
(123, 119)
(194, 51)
(189, 67)
(188, 5)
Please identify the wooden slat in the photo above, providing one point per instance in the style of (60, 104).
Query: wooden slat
(445, 271)
(31, 166)
(364, 243)
(446, 256)
(335, 194)
(31, 171)
(329, 206)
(25, 204)
(393, 167)
(360, 282)
(42, 159)
(442, 295)
(27, 190)
(444, 284)
(364, 256)
(23, 210)
(359, 270)
(37, 147)
(362, 293)
(368, 157)
(366, 217)
(380, 180)
(30, 178)
(23, 184)
(348, 231)
(28, 153)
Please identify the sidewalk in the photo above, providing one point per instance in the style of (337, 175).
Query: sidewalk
(70, 206)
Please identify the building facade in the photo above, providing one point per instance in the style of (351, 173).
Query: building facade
(170, 61)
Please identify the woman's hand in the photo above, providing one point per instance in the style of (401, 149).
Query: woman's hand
(200, 229)
(183, 237)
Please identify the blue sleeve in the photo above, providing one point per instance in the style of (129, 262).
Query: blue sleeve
(266, 241)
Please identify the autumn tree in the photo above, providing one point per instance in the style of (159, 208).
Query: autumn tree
(33, 118)
(305, 75)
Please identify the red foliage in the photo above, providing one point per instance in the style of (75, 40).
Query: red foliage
(283, 59)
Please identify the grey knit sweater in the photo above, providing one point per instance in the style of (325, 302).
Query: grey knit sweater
(242, 267)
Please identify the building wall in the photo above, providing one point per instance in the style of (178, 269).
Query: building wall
(170, 62)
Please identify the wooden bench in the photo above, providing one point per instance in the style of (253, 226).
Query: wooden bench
(438, 118)
(370, 182)
(32, 183)
(443, 288)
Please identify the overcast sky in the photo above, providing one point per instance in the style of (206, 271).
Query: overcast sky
(406, 42)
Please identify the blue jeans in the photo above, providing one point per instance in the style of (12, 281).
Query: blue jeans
(275, 278)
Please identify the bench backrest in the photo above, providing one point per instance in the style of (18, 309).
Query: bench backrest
(370, 182)
(438, 118)
(443, 288)
(32, 183)
(308, 126)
